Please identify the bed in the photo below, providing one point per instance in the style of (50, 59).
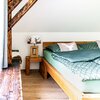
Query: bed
(79, 90)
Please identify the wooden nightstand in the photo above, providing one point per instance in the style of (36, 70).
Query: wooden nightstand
(29, 60)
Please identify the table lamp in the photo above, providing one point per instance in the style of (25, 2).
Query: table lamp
(34, 49)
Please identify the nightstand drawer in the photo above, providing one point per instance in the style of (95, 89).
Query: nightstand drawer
(36, 59)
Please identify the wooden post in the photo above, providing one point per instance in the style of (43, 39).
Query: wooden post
(12, 4)
(9, 37)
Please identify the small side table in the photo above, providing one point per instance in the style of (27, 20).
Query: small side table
(29, 60)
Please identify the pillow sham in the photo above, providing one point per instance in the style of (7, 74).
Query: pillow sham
(90, 45)
(53, 48)
(67, 46)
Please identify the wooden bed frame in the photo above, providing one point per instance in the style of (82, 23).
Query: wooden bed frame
(68, 88)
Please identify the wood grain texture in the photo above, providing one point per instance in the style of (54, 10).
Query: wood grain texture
(43, 69)
(37, 88)
(13, 4)
(21, 13)
(29, 60)
(9, 36)
(73, 92)
(9, 1)
(34, 51)
(68, 88)
(10, 47)
(12, 21)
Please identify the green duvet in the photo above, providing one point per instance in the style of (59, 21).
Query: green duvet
(79, 55)
(86, 64)
(87, 86)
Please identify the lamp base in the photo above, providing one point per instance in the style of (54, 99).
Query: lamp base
(34, 51)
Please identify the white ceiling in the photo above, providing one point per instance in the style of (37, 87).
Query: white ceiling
(61, 16)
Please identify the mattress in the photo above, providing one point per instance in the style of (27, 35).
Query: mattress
(88, 86)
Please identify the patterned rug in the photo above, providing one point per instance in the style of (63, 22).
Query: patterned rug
(11, 84)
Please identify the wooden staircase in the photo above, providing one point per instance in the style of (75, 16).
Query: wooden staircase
(12, 4)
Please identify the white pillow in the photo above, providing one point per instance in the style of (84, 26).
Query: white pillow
(98, 43)
(68, 46)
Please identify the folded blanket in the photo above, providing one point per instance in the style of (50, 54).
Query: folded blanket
(79, 55)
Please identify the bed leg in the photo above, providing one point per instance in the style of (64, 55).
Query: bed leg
(43, 70)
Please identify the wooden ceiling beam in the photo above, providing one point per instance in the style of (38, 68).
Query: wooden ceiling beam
(13, 4)
(21, 13)
(9, 1)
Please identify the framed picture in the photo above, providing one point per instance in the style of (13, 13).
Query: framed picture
(34, 51)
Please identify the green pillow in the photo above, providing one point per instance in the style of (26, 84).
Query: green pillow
(53, 48)
(90, 45)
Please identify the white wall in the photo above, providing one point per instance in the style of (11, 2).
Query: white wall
(57, 20)
(20, 40)
(61, 16)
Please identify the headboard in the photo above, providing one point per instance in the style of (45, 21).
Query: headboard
(45, 44)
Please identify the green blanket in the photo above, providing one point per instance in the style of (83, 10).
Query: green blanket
(86, 70)
(79, 55)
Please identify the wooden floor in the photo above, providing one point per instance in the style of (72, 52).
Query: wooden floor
(37, 88)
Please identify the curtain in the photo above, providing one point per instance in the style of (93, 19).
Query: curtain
(3, 35)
